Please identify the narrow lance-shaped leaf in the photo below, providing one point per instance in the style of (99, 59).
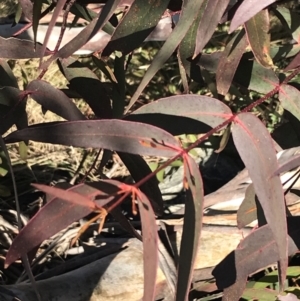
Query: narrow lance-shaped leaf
(63, 208)
(119, 87)
(118, 135)
(25, 259)
(85, 82)
(255, 147)
(139, 169)
(229, 61)
(247, 212)
(132, 29)
(58, 8)
(54, 100)
(257, 30)
(260, 79)
(36, 9)
(255, 252)
(247, 10)
(212, 15)
(150, 246)
(289, 97)
(19, 49)
(7, 77)
(13, 112)
(292, 20)
(187, 47)
(263, 294)
(288, 165)
(190, 10)
(294, 63)
(56, 215)
(192, 225)
(83, 12)
(176, 114)
(224, 140)
(87, 33)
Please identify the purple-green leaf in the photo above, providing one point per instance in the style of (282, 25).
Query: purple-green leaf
(257, 31)
(86, 83)
(292, 21)
(132, 29)
(118, 135)
(212, 15)
(289, 97)
(27, 8)
(256, 251)
(54, 100)
(7, 77)
(190, 10)
(187, 47)
(288, 160)
(247, 212)
(36, 14)
(229, 61)
(86, 34)
(262, 80)
(255, 147)
(13, 111)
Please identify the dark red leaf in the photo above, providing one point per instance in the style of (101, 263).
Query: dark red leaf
(192, 226)
(67, 207)
(186, 108)
(118, 135)
(19, 49)
(150, 246)
(256, 251)
(139, 169)
(187, 47)
(118, 215)
(255, 147)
